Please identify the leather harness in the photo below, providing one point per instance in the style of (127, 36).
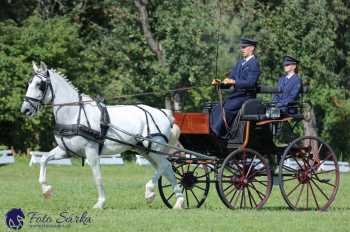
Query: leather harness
(64, 130)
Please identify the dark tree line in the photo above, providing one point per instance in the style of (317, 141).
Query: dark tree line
(112, 48)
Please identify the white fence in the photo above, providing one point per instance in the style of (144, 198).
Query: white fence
(326, 165)
(142, 161)
(104, 160)
(6, 157)
(110, 160)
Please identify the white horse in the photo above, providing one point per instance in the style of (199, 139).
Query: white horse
(50, 87)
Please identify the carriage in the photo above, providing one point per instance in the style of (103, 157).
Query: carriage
(244, 166)
(263, 150)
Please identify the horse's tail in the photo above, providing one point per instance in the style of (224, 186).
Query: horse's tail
(175, 129)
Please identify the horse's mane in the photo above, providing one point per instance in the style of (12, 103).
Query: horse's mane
(65, 78)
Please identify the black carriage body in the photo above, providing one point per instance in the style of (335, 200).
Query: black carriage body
(245, 161)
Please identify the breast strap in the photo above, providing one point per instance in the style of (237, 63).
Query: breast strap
(87, 132)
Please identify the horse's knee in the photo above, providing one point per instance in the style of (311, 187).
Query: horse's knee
(165, 166)
(44, 160)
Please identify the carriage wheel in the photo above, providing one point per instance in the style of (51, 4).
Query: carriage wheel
(309, 174)
(244, 180)
(192, 178)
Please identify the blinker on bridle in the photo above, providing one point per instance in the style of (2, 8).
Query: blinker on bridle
(44, 85)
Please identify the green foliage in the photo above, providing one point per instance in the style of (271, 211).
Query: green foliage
(308, 30)
(56, 42)
(101, 47)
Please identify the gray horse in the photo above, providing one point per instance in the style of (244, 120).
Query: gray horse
(50, 87)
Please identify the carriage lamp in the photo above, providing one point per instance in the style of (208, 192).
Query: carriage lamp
(273, 112)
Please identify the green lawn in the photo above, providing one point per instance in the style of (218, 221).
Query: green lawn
(126, 210)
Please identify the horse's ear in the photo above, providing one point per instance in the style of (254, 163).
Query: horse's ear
(43, 66)
(35, 67)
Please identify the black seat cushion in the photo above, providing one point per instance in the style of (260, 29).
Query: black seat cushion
(252, 107)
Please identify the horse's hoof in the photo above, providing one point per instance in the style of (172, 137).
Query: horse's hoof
(47, 192)
(149, 193)
(98, 205)
(149, 196)
(180, 203)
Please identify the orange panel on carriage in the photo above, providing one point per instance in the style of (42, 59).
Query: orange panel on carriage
(192, 123)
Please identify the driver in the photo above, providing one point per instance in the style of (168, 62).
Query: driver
(244, 75)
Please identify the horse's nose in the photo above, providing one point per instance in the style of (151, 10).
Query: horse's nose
(24, 108)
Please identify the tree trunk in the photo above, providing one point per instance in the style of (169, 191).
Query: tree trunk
(154, 44)
(310, 129)
(172, 102)
(309, 122)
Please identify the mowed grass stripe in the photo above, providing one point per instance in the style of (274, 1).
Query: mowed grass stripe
(126, 210)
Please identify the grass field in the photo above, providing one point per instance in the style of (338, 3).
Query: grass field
(126, 210)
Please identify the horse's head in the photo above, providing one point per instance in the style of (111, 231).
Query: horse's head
(39, 90)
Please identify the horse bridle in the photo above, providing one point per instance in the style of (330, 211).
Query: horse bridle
(44, 86)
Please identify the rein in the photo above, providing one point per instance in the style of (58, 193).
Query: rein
(187, 88)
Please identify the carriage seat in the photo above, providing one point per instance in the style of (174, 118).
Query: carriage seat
(253, 110)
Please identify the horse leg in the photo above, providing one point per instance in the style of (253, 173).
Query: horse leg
(173, 140)
(164, 168)
(94, 162)
(56, 153)
(149, 192)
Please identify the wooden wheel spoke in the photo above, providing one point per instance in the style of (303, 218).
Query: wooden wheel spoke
(323, 172)
(319, 189)
(289, 168)
(294, 178)
(234, 194)
(227, 187)
(260, 172)
(195, 196)
(233, 170)
(237, 164)
(250, 166)
(242, 199)
(237, 198)
(182, 169)
(166, 186)
(293, 189)
(325, 159)
(170, 196)
(230, 191)
(297, 162)
(301, 191)
(307, 196)
(187, 201)
(313, 195)
(177, 171)
(323, 182)
(251, 197)
(195, 168)
(204, 175)
(196, 186)
(258, 192)
(201, 181)
(260, 182)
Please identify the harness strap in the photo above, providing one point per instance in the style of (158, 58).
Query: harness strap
(72, 152)
(150, 135)
(85, 131)
(158, 134)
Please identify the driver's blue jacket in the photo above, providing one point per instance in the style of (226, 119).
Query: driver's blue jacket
(246, 75)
